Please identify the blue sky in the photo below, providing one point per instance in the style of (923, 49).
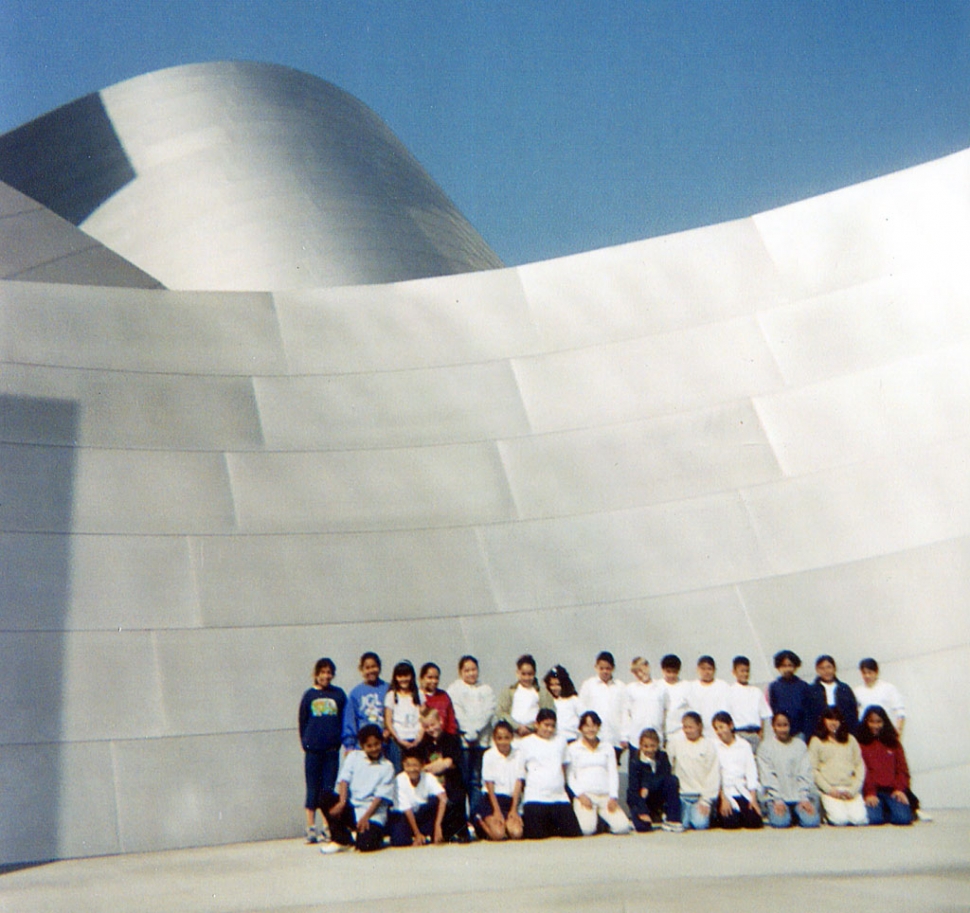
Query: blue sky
(558, 127)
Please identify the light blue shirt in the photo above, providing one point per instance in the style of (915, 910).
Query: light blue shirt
(366, 779)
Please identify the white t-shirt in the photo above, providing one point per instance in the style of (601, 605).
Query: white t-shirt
(884, 695)
(404, 715)
(608, 699)
(708, 699)
(677, 706)
(525, 705)
(748, 706)
(541, 766)
(739, 773)
(501, 770)
(567, 717)
(646, 708)
(408, 797)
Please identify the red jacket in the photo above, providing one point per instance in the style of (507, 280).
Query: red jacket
(886, 768)
(442, 703)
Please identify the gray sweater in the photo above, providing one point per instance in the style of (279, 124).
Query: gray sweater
(785, 770)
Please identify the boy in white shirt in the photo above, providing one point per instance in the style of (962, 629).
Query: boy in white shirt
(738, 801)
(419, 800)
(607, 697)
(677, 704)
(873, 692)
(747, 705)
(707, 694)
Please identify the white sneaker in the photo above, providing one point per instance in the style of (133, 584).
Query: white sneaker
(672, 827)
(328, 849)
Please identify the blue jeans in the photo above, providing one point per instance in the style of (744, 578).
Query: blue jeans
(889, 809)
(793, 812)
(691, 815)
(471, 774)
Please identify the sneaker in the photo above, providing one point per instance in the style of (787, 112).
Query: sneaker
(311, 835)
(328, 849)
(672, 827)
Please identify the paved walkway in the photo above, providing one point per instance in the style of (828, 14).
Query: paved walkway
(920, 869)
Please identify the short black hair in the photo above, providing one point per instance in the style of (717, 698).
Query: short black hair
(706, 660)
(868, 663)
(370, 654)
(546, 714)
(722, 716)
(782, 655)
(670, 661)
(693, 715)
(604, 656)
(412, 752)
(740, 661)
(503, 724)
(325, 662)
(369, 731)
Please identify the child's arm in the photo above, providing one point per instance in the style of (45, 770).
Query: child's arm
(516, 796)
(363, 823)
(341, 803)
(418, 838)
(493, 799)
(439, 835)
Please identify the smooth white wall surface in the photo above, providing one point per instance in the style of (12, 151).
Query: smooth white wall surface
(737, 439)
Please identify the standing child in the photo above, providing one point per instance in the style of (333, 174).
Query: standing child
(838, 769)
(320, 719)
(874, 692)
(738, 800)
(474, 705)
(594, 780)
(401, 706)
(676, 694)
(693, 759)
(789, 694)
(563, 691)
(419, 804)
(365, 790)
(828, 691)
(607, 696)
(546, 811)
(646, 703)
(707, 695)
(497, 814)
(519, 704)
(747, 704)
(433, 696)
(653, 792)
(365, 705)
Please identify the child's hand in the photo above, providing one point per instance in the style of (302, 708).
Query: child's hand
(585, 801)
(612, 805)
(644, 792)
(439, 836)
(363, 825)
(418, 840)
(779, 807)
(872, 801)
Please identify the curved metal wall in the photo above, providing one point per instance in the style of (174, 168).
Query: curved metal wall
(735, 439)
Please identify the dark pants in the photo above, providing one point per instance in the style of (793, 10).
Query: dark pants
(549, 819)
(471, 774)
(320, 769)
(745, 816)
(400, 827)
(660, 802)
(342, 825)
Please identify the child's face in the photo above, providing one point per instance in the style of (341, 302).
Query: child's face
(432, 725)
(429, 681)
(412, 767)
(555, 687)
(372, 747)
(370, 671)
(724, 732)
(742, 672)
(502, 740)
(546, 729)
(324, 677)
(469, 672)
(831, 726)
(649, 746)
(590, 730)
(825, 671)
(705, 673)
(781, 727)
(692, 729)
(671, 675)
(642, 673)
(403, 681)
(786, 669)
(875, 724)
(869, 676)
(604, 670)
(526, 675)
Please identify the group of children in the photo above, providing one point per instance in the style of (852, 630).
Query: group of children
(411, 763)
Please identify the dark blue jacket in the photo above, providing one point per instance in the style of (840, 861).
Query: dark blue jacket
(793, 698)
(640, 776)
(845, 702)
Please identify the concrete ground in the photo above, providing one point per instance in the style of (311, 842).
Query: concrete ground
(911, 870)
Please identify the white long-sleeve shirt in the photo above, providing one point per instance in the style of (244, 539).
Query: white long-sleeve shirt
(474, 708)
(739, 773)
(708, 699)
(593, 771)
(677, 706)
(646, 708)
(748, 706)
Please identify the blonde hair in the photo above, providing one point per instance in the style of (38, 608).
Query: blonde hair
(638, 662)
(426, 712)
